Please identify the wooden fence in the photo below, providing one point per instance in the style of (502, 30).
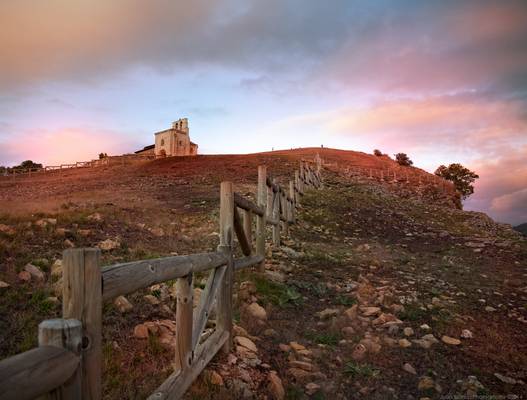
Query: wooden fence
(68, 362)
(106, 161)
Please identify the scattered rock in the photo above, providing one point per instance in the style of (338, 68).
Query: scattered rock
(405, 343)
(151, 299)
(246, 342)
(425, 383)
(53, 300)
(4, 284)
(312, 388)
(299, 374)
(159, 232)
(290, 252)
(296, 346)
(141, 331)
(24, 276)
(215, 378)
(351, 312)
(505, 379)
(255, 310)
(109, 244)
(122, 304)
(35, 272)
(348, 332)
(425, 327)
(426, 341)
(284, 347)
(328, 313)
(95, 217)
(409, 368)
(450, 340)
(8, 230)
(369, 311)
(466, 334)
(490, 309)
(56, 268)
(275, 386)
(68, 243)
(408, 331)
(359, 352)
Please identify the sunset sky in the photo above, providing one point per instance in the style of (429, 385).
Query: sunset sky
(443, 81)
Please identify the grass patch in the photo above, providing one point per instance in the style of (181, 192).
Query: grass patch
(276, 293)
(345, 300)
(413, 312)
(328, 339)
(356, 369)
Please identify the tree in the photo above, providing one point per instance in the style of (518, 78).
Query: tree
(403, 159)
(462, 177)
(377, 152)
(102, 155)
(28, 164)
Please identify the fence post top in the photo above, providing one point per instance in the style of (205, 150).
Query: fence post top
(56, 322)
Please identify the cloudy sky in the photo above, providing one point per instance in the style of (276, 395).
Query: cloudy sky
(444, 81)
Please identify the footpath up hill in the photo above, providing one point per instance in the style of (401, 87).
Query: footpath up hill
(379, 293)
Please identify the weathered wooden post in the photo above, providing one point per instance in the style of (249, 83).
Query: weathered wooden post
(276, 216)
(261, 220)
(292, 205)
(224, 320)
(285, 212)
(297, 186)
(382, 175)
(65, 334)
(184, 319)
(82, 300)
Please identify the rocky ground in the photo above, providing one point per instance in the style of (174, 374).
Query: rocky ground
(375, 295)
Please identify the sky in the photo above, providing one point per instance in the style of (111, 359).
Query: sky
(443, 81)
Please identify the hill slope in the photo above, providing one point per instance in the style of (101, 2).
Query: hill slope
(366, 262)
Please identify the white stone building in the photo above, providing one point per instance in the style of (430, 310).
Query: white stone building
(174, 141)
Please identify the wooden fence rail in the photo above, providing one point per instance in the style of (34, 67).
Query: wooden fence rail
(68, 363)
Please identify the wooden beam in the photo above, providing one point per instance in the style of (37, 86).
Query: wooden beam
(245, 262)
(248, 226)
(276, 216)
(36, 372)
(247, 205)
(176, 384)
(120, 279)
(240, 234)
(206, 301)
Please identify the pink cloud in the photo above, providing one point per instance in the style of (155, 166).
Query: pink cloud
(65, 145)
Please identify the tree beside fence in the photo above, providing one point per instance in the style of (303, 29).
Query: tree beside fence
(68, 362)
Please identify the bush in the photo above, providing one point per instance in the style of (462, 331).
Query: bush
(102, 156)
(403, 159)
(462, 177)
(377, 153)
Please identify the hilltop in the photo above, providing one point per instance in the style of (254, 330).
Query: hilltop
(384, 289)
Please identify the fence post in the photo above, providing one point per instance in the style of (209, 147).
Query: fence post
(82, 300)
(224, 320)
(66, 334)
(292, 203)
(276, 216)
(285, 211)
(261, 220)
(184, 323)
(297, 186)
